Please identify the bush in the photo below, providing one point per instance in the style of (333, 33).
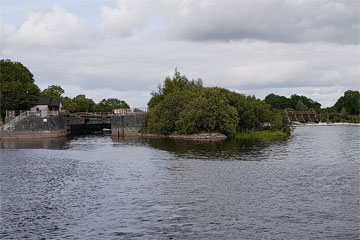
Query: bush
(208, 113)
(186, 107)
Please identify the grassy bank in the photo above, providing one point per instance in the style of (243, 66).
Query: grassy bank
(255, 135)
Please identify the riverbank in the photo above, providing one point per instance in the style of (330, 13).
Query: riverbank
(32, 135)
(200, 136)
(328, 124)
(248, 135)
(259, 135)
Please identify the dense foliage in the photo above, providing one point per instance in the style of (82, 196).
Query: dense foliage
(295, 102)
(350, 102)
(18, 90)
(346, 109)
(182, 106)
(107, 105)
(81, 103)
(53, 91)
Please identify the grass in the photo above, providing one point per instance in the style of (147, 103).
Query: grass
(258, 135)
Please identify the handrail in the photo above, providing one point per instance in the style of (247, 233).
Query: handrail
(130, 111)
(13, 121)
(24, 114)
(92, 113)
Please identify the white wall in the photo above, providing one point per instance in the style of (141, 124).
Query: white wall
(41, 107)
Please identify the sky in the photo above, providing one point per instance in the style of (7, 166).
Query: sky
(126, 48)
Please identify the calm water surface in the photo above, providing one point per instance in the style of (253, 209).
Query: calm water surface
(93, 187)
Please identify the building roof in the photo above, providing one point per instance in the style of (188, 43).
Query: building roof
(51, 102)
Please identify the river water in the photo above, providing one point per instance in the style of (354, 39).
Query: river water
(94, 187)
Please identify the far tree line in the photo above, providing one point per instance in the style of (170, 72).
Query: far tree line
(346, 108)
(81, 103)
(18, 91)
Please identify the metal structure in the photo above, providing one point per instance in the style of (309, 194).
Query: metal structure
(302, 117)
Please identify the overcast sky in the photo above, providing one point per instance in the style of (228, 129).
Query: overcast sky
(125, 48)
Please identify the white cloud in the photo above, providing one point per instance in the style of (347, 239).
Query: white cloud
(129, 64)
(58, 28)
(271, 20)
(128, 18)
(268, 73)
(243, 66)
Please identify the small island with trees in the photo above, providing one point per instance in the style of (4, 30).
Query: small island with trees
(183, 107)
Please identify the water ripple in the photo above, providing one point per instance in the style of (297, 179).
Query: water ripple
(93, 187)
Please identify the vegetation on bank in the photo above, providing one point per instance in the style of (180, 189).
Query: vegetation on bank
(264, 134)
(346, 109)
(81, 103)
(18, 91)
(17, 87)
(182, 106)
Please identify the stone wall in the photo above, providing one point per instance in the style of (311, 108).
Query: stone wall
(127, 125)
(37, 127)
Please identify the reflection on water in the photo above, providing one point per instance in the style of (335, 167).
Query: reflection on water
(93, 187)
(40, 143)
(216, 150)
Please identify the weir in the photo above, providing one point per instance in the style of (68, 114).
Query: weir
(302, 117)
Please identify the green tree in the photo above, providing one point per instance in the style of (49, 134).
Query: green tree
(67, 104)
(300, 106)
(253, 113)
(278, 102)
(53, 91)
(170, 100)
(79, 104)
(350, 101)
(18, 90)
(107, 105)
(184, 106)
(343, 114)
(309, 103)
(280, 121)
(210, 112)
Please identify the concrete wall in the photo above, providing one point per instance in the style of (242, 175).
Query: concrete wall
(127, 125)
(37, 127)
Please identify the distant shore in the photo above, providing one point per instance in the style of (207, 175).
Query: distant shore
(328, 124)
(200, 136)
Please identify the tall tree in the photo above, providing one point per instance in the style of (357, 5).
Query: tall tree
(107, 105)
(300, 106)
(18, 90)
(79, 104)
(53, 91)
(308, 102)
(350, 101)
(278, 102)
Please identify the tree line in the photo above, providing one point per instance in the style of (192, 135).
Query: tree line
(81, 103)
(181, 105)
(18, 91)
(346, 108)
